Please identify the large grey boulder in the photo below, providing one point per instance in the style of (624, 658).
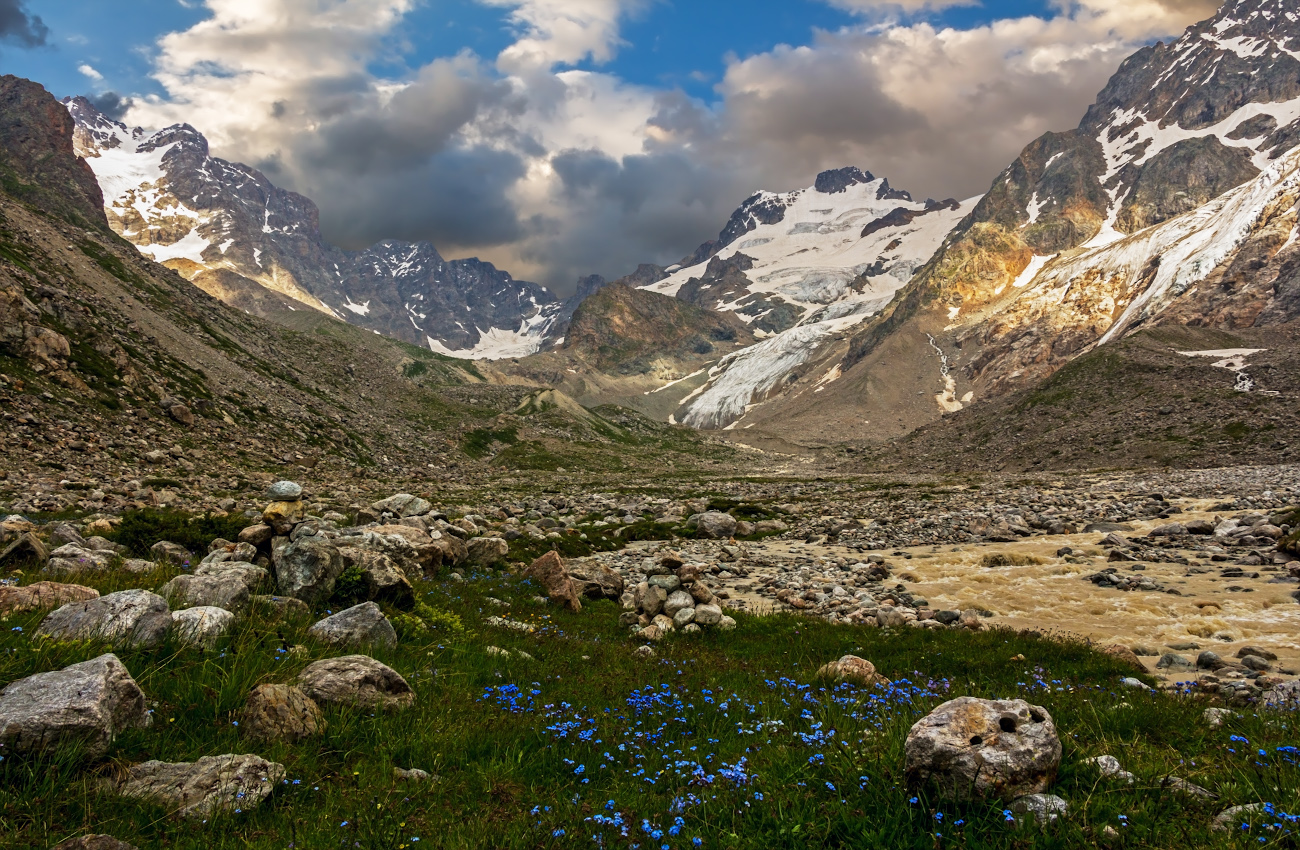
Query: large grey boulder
(716, 525)
(355, 680)
(402, 505)
(213, 783)
(486, 551)
(135, 617)
(87, 703)
(251, 575)
(360, 625)
(308, 568)
(972, 748)
(203, 625)
(217, 591)
(677, 600)
(385, 580)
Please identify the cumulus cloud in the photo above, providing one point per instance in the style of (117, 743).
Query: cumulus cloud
(20, 27)
(554, 172)
(89, 71)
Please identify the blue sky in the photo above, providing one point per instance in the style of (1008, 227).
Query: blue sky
(559, 138)
(675, 43)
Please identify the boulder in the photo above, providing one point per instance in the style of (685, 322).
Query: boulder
(251, 575)
(216, 591)
(1044, 808)
(308, 569)
(40, 596)
(385, 580)
(93, 842)
(596, 581)
(27, 547)
(548, 572)
(211, 784)
(486, 551)
(683, 618)
(166, 552)
(716, 525)
(135, 617)
(1283, 697)
(203, 625)
(851, 668)
(1126, 655)
(708, 615)
(257, 535)
(649, 599)
(87, 704)
(71, 559)
(677, 600)
(283, 516)
(284, 491)
(280, 713)
(402, 505)
(972, 748)
(360, 625)
(355, 680)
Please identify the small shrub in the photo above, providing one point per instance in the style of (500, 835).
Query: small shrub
(141, 529)
(350, 588)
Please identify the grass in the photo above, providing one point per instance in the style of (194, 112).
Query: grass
(724, 737)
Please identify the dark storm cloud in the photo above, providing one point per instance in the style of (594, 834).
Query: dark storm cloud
(111, 104)
(19, 27)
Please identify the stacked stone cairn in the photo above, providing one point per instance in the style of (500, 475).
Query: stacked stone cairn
(674, 597)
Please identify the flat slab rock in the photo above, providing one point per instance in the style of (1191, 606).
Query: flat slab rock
(197, 789)
(130, 616)
(356, 680)
(88, 704)
(42, 595)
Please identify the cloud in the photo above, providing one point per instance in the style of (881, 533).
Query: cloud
(88, 71)
(877, 8)
(111, 103)
(554, 171)
(19, 27)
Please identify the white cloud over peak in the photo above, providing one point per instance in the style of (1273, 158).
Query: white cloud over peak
(89, 72)
(554, 172)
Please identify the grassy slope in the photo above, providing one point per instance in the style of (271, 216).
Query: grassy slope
(525, 749)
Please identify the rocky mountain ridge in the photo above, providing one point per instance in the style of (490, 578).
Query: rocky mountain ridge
(237, 236)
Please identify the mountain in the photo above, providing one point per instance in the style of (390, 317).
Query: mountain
(1172, 203)
(800, 268)
(225, 227)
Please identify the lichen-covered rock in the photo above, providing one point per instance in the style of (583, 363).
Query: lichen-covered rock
(217, 591)
(283, 516)
(166, 552)
(135, 617)
(402, 505)
(708, 615)
(308, 568)
(361, 625)
(203, 625)
(851, 668)
(42, 595)
(597, 581)
(486, 551)
(548, 572)
(250, 574)
(385, 580)
(87, 704)
(356, 680)
(213, 783)
(71, 559)
(972, 748)
(280, 713)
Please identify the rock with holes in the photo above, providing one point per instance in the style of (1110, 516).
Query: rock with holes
(213, 783)
(135, 617)
(87, 704)
(356, 680)
(981, 749)
(851, 668)
(360, 625)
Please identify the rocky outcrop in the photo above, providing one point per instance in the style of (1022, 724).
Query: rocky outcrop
(86, 704)
(41, 596)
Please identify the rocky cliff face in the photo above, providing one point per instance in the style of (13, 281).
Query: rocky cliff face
(228, 229)
(1173, 201)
